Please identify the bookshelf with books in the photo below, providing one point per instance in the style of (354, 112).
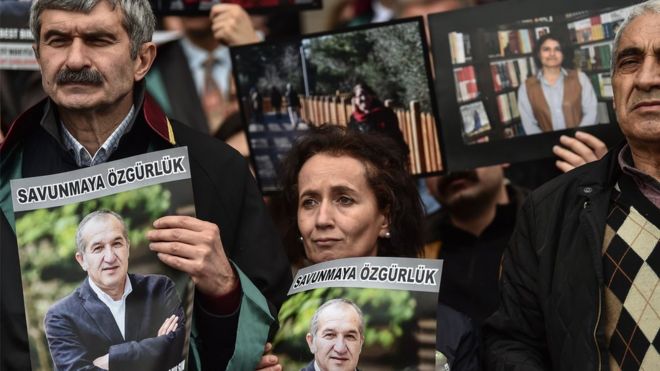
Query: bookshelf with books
(592, 36)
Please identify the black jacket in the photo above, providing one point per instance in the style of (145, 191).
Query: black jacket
(551, 312)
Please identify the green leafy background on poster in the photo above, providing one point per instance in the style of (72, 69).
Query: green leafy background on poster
(46, 240)
(386, 313)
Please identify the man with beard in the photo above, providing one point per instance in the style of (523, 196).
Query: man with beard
(470, 233)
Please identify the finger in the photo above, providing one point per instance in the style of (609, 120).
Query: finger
(568, 156)
(163, 327)
(267, 361)
(564, 166)
(578, 148)
(177, 249)
(268, 347)
(173, 325)
(192, 267)
(599, 147)
(181, 221)
(181, 235)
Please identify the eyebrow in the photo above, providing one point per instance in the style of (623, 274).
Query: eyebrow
(87, 35)
(629, 52)
(333, 189)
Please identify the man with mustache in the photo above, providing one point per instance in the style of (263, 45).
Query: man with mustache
(94, 55)
(470, 232)
(150, 321)
(579, 283)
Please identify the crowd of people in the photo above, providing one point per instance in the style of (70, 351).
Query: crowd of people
(564, 277)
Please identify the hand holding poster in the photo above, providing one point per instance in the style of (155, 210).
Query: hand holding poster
(370, 313)
(95, 294)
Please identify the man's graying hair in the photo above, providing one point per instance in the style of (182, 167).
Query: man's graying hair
(648, 7)
(314, 325)
(138, 18)
(103, 213)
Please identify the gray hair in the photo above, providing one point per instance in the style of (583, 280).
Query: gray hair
(314, 324)
(648, 7)
(138, 21)
(80, 243)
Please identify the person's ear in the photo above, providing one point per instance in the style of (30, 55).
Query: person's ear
(384, 231)
(144, 60)
(81, 260)
(310, 343)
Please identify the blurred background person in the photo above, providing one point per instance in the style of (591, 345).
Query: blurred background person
(191, 77)
(556, 98)
(370, 115)
(470, 232)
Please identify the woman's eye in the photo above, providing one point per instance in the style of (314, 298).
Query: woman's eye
(308, 203)
(344, 200)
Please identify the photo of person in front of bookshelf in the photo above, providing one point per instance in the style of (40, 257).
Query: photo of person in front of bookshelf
(555, 98)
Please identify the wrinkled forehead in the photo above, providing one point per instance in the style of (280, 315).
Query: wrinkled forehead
(102, 18)
(101, 224)
(339, 317)
(642, 33)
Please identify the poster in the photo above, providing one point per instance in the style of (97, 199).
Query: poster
(371, 313)
(95, 294)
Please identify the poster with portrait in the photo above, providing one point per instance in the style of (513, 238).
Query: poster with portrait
(371, 313)
(514, 76)
(15, 37)
(95, 294)
(202, 7)
(370, 79)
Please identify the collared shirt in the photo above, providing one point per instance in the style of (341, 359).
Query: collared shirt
(648, 185)
(80, 153)
(554, 96)
(117, 308)
(196, 57)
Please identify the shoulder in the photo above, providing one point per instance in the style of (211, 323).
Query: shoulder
(68, 305)
(205, 149)
(595, 175)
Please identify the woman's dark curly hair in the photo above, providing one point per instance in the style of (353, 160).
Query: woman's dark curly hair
(387, 175)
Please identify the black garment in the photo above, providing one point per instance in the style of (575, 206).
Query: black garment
(179, 98)
(551, 314)
(380, 120)
(225, 193)
(457, 338)
(471, 263)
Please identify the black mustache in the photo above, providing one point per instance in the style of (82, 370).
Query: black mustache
(470, 175)
(84, 76)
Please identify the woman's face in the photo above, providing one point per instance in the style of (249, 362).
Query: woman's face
(338, 216)
(550, 54)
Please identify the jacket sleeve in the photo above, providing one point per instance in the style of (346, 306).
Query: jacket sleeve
(156, 352)
(66, 349)
(515, 334)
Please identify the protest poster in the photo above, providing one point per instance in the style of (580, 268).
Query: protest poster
(370, 79)
(15, 37)
(487, 63)
(202, 7)
(83, 249)
(371, 313)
